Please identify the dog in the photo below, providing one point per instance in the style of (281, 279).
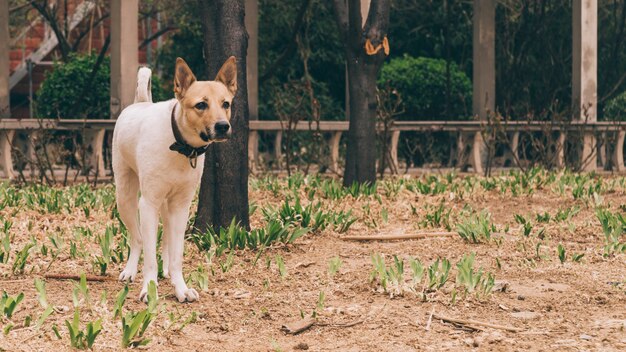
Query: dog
(158, 152)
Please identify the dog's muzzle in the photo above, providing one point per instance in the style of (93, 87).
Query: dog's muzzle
(221, 131)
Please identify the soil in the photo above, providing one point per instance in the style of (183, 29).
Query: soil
(568, 306)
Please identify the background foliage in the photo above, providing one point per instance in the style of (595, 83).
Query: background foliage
(298, 42)
(427, 91)
(302, 73)
(69, 91)
(74, 90)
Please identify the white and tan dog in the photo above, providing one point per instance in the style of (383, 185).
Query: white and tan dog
(156, 148)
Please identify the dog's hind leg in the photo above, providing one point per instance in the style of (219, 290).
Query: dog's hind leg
(127, 193)
(178, 213)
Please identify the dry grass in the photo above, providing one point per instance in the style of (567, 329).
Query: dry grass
(244, 303)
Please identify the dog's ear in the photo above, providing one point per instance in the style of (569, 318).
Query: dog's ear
(228, 75)
(183, 78)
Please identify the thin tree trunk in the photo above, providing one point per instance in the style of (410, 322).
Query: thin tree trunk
(361, 148)
(363, 68)
(224, 187)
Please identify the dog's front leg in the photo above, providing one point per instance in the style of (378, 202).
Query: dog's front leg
(178, 214)
(149, 219)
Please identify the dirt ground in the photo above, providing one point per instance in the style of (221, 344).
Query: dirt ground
(569, 306)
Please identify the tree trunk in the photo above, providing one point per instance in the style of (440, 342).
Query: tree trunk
(361, 148)
(224, 187)
(363, 66)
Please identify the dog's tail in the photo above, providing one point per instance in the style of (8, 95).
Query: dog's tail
(143, 94)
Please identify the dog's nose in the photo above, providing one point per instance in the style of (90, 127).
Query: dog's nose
(221, 127)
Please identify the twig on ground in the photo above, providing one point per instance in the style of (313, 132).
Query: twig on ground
(473, 324)
(13, 281)
(411, 236)
(430, 319)
(342, 325)
(77, 277)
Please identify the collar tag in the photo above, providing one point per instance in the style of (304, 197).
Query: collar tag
(193, 159)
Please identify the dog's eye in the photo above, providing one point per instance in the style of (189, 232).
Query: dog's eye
(201, 105)
(226, 105)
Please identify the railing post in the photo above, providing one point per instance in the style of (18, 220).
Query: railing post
(335, 138)
(618, 152)
(476, 156)
(278, 151)
(603, 149)
(560, 150)
(584, 74)
(513, 155)
(253, 150)
(6, 161)
(460, 150)
(515, 146)
(393, 151)
(93, 141)
(24, 142)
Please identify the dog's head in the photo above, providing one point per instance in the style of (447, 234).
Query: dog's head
(206, 104)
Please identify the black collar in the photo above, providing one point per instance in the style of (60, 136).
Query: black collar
(182, 147)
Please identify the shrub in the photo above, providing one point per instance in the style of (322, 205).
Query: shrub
(69, 92)
(66, 92)
(615, 109)
(421, 83)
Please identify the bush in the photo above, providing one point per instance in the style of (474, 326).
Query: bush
(67, 92)
(615, 109)
(421, 83)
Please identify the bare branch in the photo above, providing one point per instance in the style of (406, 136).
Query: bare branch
(18, 7)
(49, 16)
(84, 33)
(154, 36)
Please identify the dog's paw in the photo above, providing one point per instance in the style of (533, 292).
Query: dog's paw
(143, 295)
(128, 274)
(166, 272)
(187, 295)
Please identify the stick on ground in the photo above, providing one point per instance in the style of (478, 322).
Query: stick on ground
(472, 323)
(77, 277)
(410, 236)
(430, 319)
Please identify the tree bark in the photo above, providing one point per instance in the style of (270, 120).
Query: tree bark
(224, 186)
(363, 68)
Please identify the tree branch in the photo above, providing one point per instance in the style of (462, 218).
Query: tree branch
(84, 33)
(18, 7)
(50, 18)
(154, 36)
